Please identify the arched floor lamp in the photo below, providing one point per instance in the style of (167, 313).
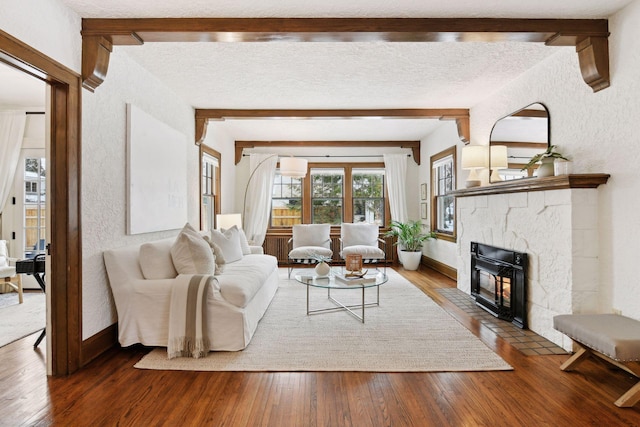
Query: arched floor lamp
(294, 167)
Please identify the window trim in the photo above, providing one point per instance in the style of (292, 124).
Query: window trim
(217, 204)
(450, 237)
(347, 208)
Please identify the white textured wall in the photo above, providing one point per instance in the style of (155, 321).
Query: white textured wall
(445, 136)
(558, 231)
(104, 171)
(599, 132)
(46, 25)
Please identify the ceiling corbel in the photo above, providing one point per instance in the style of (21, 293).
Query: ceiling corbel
(589, 36)
(414, 146)
(95, 60)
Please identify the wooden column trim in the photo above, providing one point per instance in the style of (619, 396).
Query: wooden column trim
(96, 51)
(64, 282)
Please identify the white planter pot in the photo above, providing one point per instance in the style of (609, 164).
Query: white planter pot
(546, 167)
(411, 260)
(400, 251)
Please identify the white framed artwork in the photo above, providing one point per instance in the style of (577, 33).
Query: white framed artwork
(156, 174)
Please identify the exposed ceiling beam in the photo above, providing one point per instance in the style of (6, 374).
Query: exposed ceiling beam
(460, 115)
(589, 36)
(414, 146)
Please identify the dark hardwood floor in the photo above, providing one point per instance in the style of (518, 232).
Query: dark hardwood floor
(111, 392)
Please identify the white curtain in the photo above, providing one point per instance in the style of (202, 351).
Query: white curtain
(395, 169)
(11, 134)
(257, 201)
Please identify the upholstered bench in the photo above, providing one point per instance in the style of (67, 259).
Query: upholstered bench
(611, 337)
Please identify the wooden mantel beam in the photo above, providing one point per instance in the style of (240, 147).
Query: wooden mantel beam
(589, 36)
(460, 115)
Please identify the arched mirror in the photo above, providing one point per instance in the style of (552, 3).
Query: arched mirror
(515, 139)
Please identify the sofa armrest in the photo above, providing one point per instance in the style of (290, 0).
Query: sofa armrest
(256, 250)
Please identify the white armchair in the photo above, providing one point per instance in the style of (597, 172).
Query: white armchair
(362, 239)
(8, 274)
(308, 243)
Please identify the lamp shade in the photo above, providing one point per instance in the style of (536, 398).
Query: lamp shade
(228, 220)
(499, 157)
(475, 157)
(293, 166)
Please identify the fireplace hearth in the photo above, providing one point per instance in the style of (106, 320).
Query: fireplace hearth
(498, 282)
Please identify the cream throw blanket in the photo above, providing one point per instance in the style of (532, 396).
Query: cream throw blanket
(187, 317)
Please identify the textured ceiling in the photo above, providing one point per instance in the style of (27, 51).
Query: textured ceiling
(327, 75)
(350, 9)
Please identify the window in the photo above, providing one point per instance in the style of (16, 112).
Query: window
(209, 187)
(331, 193)
(286, 201)
(34, 206)
(327, 189)
(368, 195)
(443, 180)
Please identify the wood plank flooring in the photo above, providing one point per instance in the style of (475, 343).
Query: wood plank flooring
(111, 392)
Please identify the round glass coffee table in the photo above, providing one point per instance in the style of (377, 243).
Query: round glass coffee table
(332, 281)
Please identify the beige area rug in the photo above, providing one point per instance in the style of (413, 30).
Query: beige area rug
(408, 332)
(19, 320)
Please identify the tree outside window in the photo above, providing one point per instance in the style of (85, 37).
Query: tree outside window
(331, 194)
(327, 187)
(368, 195)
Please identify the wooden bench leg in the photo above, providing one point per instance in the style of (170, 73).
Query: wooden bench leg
(579, 356)
(630, 398)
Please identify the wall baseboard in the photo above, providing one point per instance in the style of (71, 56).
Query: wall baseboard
(440, 267)
(99, 343)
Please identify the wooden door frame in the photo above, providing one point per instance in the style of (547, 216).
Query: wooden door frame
(64, 283)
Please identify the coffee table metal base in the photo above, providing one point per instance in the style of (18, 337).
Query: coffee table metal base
(342, 307)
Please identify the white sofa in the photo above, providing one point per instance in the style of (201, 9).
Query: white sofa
(236, 302)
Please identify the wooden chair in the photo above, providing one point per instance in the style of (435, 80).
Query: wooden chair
(8, 274)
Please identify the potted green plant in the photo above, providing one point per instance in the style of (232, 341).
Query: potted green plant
(546, 158)
(410, 238)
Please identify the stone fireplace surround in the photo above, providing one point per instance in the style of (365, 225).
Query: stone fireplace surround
(555, 221)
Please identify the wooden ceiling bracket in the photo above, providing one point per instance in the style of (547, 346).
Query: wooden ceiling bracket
(593, 56)
(464, 129)
(201, 129)
(95, 60)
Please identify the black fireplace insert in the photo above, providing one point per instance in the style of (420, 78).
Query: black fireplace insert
(499, 282)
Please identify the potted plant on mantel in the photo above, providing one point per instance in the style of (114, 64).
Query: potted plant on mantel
(410, 237)
(546, 160)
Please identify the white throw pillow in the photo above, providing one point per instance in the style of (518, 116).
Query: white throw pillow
(229, 242)
(155, 260)
(217, 255)
(191, 254)
(244, 243)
